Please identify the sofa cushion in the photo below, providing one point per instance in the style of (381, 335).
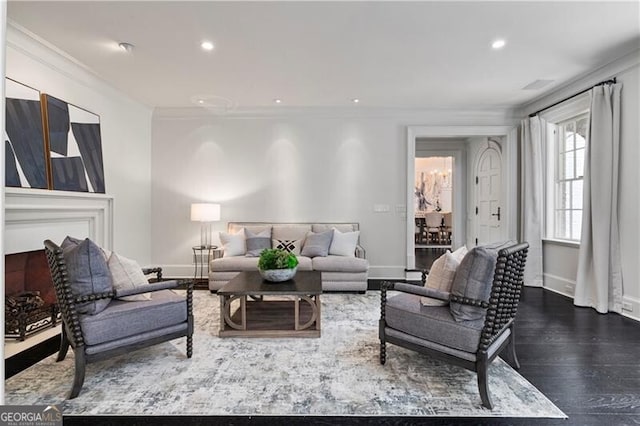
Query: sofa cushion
(256, 242)
(88, 274)
(433, 323)
(344, 243)
(340, 264)
(123, 319)
(127, 274)
(305, 263)
(342, 227)
(290, 232)
(235, 263)
(317, 244)
(256, 228)
(473, 279)
(233, 244)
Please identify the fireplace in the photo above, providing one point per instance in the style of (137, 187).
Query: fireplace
(30, 299)
(32, 216)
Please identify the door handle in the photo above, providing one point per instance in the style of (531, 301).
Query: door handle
(496, 214)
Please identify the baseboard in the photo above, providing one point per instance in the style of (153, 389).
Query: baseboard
(631, 307)
(559, 285)
(565, 287)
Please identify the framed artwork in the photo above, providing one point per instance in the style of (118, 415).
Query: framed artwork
(74, 147)
(26, 160)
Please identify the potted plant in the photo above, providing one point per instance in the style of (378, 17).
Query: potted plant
(277, 265)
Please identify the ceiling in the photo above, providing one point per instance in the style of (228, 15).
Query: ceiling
(324, 54)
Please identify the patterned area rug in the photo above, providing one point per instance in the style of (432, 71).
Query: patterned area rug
(337, 374)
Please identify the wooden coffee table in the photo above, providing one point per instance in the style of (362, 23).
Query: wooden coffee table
(261, 316)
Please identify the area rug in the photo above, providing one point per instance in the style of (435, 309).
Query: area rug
(337, 374)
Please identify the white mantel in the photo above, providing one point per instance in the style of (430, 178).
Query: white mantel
(34, 215)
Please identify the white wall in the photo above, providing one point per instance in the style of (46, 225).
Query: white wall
(125, 129)
(293, 166)
(560, 260)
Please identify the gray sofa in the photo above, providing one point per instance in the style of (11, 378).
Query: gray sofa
(339, 273)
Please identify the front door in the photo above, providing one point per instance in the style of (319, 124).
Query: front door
(488, 196)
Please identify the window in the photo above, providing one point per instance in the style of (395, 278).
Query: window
(565, 215)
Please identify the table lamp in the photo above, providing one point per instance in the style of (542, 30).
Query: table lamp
(205, 213)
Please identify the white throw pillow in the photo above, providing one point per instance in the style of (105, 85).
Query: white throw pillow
(233, 244)
(127, 274)
(440, 277)
(344, 243)
(460, 253)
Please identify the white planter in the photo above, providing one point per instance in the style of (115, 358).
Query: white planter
(278, 275)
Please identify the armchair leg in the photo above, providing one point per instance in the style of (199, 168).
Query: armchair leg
(383, 352)
(511, 348)
(78, 379)
(64, 345)
(189, 345)
(483, 383)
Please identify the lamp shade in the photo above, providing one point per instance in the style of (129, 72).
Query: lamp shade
(205, 212)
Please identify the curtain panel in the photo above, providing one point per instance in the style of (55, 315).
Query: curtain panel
(532, 139)
(599, 280)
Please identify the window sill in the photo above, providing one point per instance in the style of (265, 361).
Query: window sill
(563, 243)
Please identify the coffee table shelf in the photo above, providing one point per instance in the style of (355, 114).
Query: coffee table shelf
(298, 316)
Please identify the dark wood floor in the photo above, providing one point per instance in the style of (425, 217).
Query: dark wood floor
(426, 256)
(586, 363)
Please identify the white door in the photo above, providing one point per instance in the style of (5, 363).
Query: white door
(488, 196)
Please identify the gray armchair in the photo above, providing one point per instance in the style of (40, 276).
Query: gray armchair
(476, 327)
(117, 326)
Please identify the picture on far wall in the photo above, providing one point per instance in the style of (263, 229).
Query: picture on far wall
(25, 153)
(75, 147)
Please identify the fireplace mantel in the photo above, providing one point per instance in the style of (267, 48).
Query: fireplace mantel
(33, 215)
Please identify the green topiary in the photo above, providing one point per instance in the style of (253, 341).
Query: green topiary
(277, 259)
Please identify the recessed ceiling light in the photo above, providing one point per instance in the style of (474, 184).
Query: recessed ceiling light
(277, 101)
(200, 101)
(127, 47)
(206, 45)
(355, 100)
(498, 44)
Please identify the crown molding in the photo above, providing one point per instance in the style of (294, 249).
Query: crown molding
(41, 51)
(492, 114)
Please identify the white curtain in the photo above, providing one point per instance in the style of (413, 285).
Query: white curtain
(599, 281)
(532, 139)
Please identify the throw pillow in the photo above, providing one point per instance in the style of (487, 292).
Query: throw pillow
(317, 244)
(233, 244)
(127, 274)
(292, 246)
(256, 242)
(88, 274)
(441, 277)
(473, 279)
(73, 241)
(460, 253)
(344, 243)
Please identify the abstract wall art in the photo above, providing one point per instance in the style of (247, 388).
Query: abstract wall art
(25, 154)
(75, 147)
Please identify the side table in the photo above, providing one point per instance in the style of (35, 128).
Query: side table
(201, 262)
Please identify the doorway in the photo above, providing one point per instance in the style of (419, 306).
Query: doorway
(444, 141)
